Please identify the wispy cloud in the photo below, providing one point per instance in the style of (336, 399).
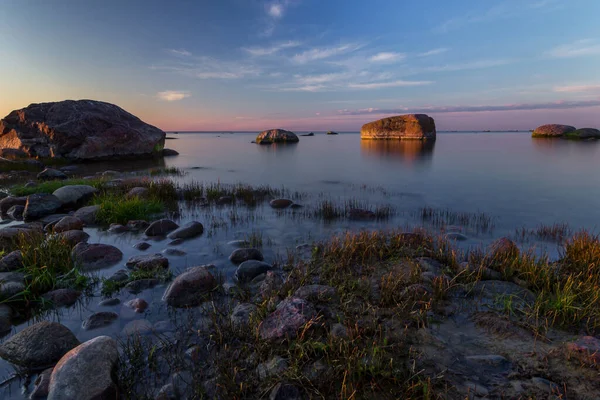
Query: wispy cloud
(210, 68)
(267, 51)
(324, 52)
(470, 65)
(558, 105)
(275, 10)
(172, 95)
(433, 52)
(180, 52)
(387, 57)
(577, 88)
(586, 47)
(381, 85)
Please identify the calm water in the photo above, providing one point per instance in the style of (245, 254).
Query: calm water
(517, 181)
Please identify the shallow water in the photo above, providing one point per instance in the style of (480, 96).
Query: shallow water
(513, 179)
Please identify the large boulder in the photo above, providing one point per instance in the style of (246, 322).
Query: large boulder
(79, 130)
(410, 126)
(276, 136)
(8, 202)
(87, 214)
(190, 288)
(552, 130)
(40, 205)
(74, 195)
(68, 223)
(39, 346)
(86, 372)
(583, 133)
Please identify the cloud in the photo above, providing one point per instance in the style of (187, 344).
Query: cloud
(558, 105)
(469, 65)
(275, 10)
(267, 51)
(433, 52)
(210, 68)
(385, 57)
(577, 88)
(172, 95)
(180, 52)
(381, 85)
(586, 47)
(324, 52)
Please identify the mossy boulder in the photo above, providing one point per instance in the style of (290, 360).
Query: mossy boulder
(552, 130)
(410, 126)
(276, 136)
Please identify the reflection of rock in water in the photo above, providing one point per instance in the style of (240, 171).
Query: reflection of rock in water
(405, 151)
(549, 145)
(279, 148)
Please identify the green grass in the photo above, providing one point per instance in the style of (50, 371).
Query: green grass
(110, 287)
(51, 186)
(118, 209)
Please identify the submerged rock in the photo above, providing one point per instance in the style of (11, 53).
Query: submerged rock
(137, 327)
(95, 256)
(410, 126)
(40, 205)
(99, 320)
(39, 346)
(142, 246)
(240, 255)
(276, 136)
(86, 372)
(161, 227)
(79, 130)
(140, 285)
(552, 130)
(169, 153)
(189, 230)
(190, 288)
(291, 315)
(280, 203)
(138, 305)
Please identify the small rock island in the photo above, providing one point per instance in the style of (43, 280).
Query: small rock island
(401, 127)
(276, 136)
(565, 132)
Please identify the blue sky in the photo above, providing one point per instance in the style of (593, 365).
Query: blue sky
(308, 64)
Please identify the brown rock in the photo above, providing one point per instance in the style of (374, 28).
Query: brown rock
(68, 223)
(410, 126)
(276, 136)
(94, 256)
(552, 130)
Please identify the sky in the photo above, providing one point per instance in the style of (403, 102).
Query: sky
(306, 65)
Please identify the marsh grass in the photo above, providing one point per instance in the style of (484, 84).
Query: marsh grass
(118, 209)
(550, 233)
(328, 210)
(51, 186)
(479, 221)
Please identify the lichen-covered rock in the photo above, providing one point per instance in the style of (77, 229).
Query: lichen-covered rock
(39, 346)
(79, 130)
(74, 195)
(40, 205)
(190, 288)
(291, 315)
(552, 130)
(86, 372)
(276, 136)
(410, 126)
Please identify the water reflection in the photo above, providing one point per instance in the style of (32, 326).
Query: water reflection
(556, 145)
(278, 148)
(408, 152)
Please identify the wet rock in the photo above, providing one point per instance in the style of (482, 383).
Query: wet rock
(139, 192)
(6, 314)
(95, 256)
(456, 236)
(240, 255)
(74, 237)
(87, 214)
(86, 372)
(110, 302)
(42, 385)
(275, 366)
(248, 270)
(316, 293)
(99, 320)
(142, 246)
(169, 153)
(174, 252)
(291, 315)
(9, 202)
(11, 262)
(39, 346)
(40, 205)
(286, 391)
(358, 214)
(16, 213)
(74, 195)
(189, 230)
(119, 276)
(62, 297)
(68, 224)
(239, 243)
(11, 290)
(161, 227)
(339, 331)
(50, 174)
(280, 203)
(190, 288)
(117, 228)
(240, 317)
(137, 305)
(176, 242)
(137, 327)
(140, 285)
(148, 262)
(137, 225)
(587, 349)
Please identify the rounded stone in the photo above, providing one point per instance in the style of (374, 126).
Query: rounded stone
(238, 256)
(99, 320)
(190, 288)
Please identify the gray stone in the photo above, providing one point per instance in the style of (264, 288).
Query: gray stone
(16, 213)
(148, 262)
(40, 205)
(86, 372)
(117, 228)
(316, 293)
(74, 237)
(62, 297)
(74, 195)
(339, 331)
(275, 366)
(68, 223)
(190, 288)
(241, 314)
(50, 174)
(95, 256)
(137, 225)
(286, 391)
(110, 302)
(140, 285)
(8, 202)
(248, 270)
(290, 316)
(6, 314)
(174, 252)
(138, 305)
(42, 385)
(39, 346)
(11, 262)
(99, 320)
(87, 214)
(189, 230)
(139, 192)
(240, 255)
(161, 227)
(142, 246)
